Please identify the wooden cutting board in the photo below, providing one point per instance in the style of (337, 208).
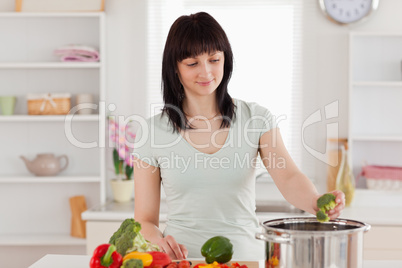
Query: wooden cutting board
(250, 264)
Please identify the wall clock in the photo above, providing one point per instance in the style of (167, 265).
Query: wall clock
(348, 11)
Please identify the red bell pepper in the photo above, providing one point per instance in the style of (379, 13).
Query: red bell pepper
(104, 256)
(160, 258)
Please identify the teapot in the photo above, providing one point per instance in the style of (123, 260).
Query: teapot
(45, 164)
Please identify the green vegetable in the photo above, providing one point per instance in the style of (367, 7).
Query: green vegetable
(132, 263)
(218, 248)
(322, 216)
(128, 238)
(325, 203)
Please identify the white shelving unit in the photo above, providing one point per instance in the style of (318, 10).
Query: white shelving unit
(57, 179)
(48, 65)
(40, 205)
(375, 94)
(41, 240)
(48, 118)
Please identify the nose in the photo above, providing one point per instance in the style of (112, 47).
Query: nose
(205, 70)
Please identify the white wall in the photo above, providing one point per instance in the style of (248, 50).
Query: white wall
(325, 74)
(326, 70)
(126, 62)
(126, 51)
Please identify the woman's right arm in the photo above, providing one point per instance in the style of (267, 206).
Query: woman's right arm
(146, 208)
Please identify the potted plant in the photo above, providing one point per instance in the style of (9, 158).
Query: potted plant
(123, 184)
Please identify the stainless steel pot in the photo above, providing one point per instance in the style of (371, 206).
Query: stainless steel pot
(304, 242)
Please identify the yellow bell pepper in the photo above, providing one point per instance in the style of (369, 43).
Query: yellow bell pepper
(146, 258)
(211, 265)
(273, 261)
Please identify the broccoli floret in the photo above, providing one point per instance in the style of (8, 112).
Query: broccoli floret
(326, 202)
(132, 263)
(128, 238)
(123, 238)
(142, 245)
(128, 223)
(322, 216)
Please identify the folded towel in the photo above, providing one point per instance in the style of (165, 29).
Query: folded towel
(77, 53)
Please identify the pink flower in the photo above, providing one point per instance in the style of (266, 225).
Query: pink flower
(118, 137)
(122, 152)
(122, 140)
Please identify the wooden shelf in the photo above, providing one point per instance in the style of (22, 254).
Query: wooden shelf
(48, 118)
(41, 240)
(55, 179)
(13, 14)
(378, 138)
(50, 65)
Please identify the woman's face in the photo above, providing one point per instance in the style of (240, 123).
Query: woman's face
(201, 75)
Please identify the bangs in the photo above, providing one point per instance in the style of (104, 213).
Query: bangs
(196, 41)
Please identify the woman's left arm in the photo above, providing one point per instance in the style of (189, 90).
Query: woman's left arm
(291, 182)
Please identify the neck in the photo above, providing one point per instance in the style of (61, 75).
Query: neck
(205, 106)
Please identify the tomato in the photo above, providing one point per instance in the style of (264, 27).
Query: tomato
(184, 264)
(172, 265)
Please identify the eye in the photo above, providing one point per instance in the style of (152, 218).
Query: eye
(215, 60)
(191, 64)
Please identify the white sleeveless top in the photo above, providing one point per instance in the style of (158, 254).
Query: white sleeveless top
(209, 194)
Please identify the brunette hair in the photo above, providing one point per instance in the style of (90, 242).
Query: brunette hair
(190, 36)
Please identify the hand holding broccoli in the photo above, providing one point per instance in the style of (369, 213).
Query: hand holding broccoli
(330, 206)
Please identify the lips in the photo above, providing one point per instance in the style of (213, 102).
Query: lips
(205, 83)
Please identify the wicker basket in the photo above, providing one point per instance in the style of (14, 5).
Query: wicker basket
(383, 177)
(49, 104)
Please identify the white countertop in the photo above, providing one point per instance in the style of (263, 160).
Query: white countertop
(82, 261)
(113, 211)
(372, 207)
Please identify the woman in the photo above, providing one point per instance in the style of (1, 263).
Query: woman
(203, 148)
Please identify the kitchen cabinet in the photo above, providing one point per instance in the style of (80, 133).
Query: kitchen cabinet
(375, 93)
(381, 209)
(35, 214)
(383, 243)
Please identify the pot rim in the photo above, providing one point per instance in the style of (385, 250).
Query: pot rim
(360, 226)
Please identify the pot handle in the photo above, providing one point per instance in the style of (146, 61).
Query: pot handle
(272, 237)
(368, 227)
